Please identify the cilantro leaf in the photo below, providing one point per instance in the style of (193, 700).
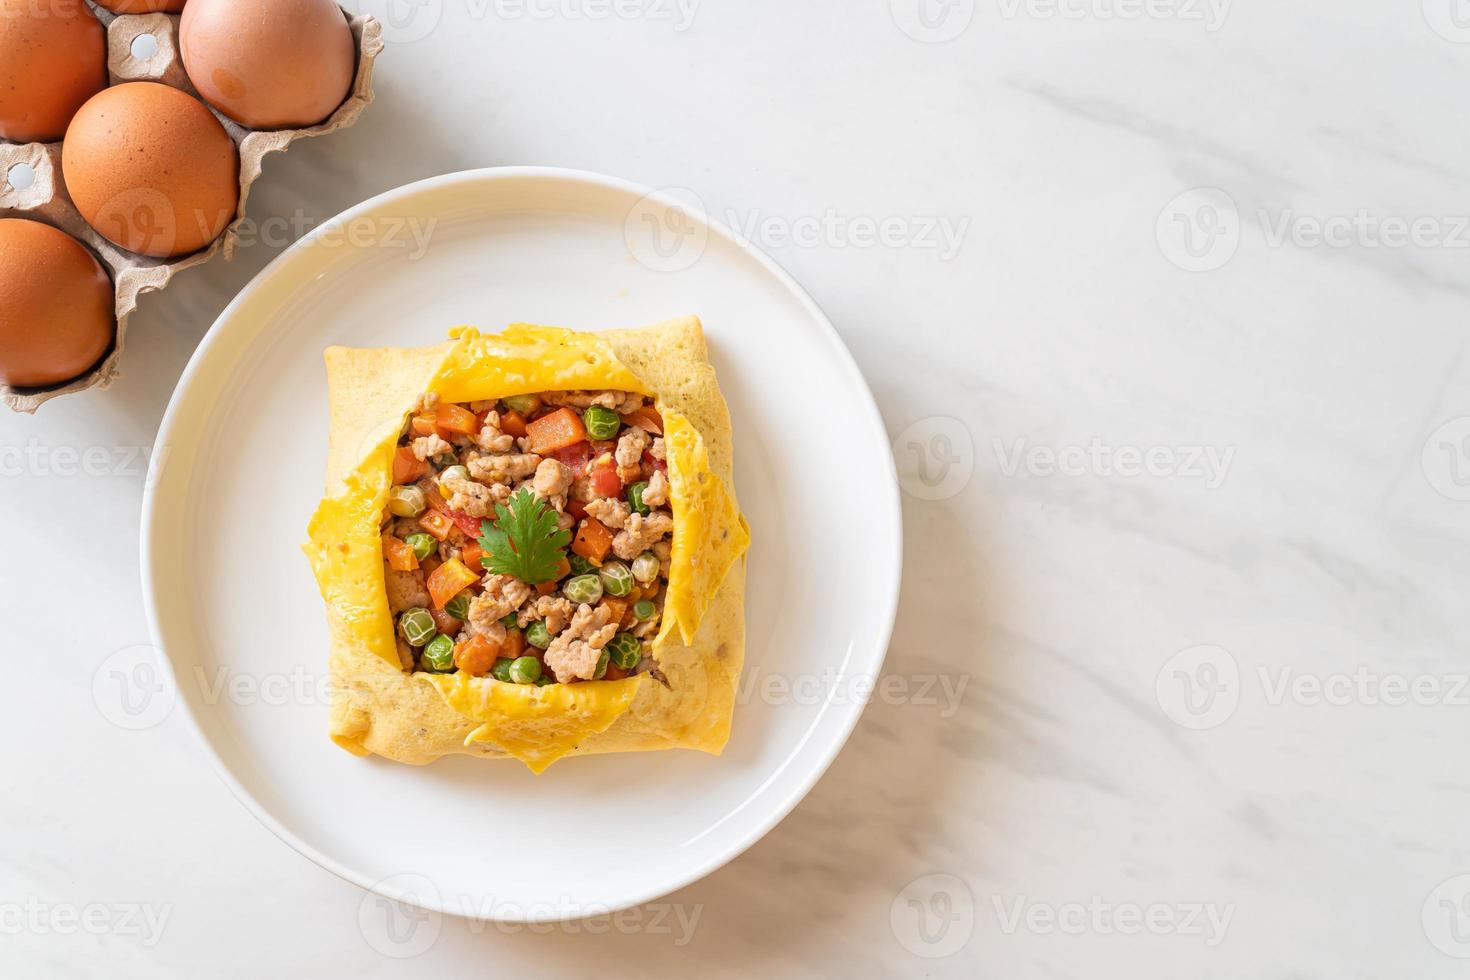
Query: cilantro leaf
(524, 541)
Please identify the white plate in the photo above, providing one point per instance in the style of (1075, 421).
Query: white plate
(232, 602)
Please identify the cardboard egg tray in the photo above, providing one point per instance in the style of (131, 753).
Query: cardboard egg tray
(45, 199)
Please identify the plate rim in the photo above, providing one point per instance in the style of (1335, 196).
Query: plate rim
(893, 545)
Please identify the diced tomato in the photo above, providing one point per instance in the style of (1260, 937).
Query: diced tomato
(600, 446)
(400, 556)
(576, 508)
(436, 523)
(406, 466)
(605, 479)
(476, 655)
(471, 554)
(469, 525)
(576, 456)
(513, 424)
(562, 427)
(514, 645)
(645, 418)
(614, 673)
(449, 580)
(593, 540)
(445, 623)
(456, 419)
(657, 464)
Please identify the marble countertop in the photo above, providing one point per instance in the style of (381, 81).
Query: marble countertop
(1163, 302)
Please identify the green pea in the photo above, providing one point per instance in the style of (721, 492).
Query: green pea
(538, 635)
(643, 609)
(645, 567)
(456, 471)
(583, 589)
(501, 670)
(635, 497)
(601, 671)
(406, 502)
(439, 655)
(520, 403)
(509, 620)
(601, 423)
(417, 626)
(625, 650)
(580, 565)
(617, 581)
(423, 545)
(524, 670)
(459, 606)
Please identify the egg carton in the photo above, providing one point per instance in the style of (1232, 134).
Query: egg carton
(145, 48)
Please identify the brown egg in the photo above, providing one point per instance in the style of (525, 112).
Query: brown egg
(142, 6)
(53, 57)
(269, 64)
(56, 313)
(151, 169)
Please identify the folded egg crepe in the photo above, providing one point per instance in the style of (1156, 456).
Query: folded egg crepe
(530, 546)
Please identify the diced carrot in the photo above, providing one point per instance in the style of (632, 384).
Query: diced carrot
(471, 554)
(614, 673)
(545, 588)
(593, 540)
(513, 424)
(433, 496)
(406, 466)
(476, 655)
(562, 427)
(563, 567)
(617, 609)
(514, 645)
(646, 418)
(445, 623)
(449, 580)
(400, 556)
(436, 523)
(429, 564)
(423, 425)
(454, 418)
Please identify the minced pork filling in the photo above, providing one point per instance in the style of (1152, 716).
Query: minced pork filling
(528, 538)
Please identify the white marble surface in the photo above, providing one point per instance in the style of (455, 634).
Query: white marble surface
(1053, 799)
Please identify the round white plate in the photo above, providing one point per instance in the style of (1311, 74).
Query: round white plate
(233, 605)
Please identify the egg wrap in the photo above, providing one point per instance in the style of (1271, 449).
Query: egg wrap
(378, 707)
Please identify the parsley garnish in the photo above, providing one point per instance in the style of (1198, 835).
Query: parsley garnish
(524, 540)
